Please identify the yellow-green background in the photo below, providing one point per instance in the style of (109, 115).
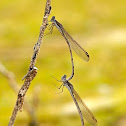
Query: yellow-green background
(99, 26)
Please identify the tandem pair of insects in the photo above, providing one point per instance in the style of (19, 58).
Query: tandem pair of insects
(81, 107)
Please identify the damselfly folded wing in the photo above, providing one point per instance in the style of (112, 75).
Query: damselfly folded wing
(76, 47)
(84, 109)
(78, 107)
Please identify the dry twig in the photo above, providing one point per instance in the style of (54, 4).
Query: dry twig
(32, 71)
(14, 86)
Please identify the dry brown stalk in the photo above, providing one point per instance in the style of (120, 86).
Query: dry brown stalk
(32, 71)
(15, 87)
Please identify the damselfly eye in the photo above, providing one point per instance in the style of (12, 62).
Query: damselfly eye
(52, 19)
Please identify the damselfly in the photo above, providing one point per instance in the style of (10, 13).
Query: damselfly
(83, 110)
(71, 43)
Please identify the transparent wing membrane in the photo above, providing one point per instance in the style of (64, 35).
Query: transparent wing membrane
(84, 109)
(76, 47)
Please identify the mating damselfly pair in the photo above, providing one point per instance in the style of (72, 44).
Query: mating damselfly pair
(81, 106)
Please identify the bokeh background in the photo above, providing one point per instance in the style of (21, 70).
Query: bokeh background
(99, 26)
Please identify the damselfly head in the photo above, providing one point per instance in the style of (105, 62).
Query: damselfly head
(63, 77)
(52, 19)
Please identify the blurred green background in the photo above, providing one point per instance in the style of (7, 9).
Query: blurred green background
(99, 26)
